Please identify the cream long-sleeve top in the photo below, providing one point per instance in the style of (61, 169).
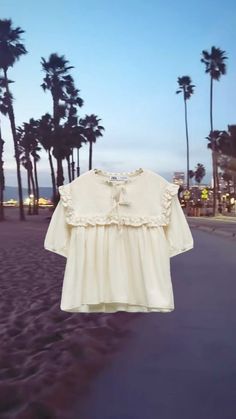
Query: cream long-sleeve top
(118, 232)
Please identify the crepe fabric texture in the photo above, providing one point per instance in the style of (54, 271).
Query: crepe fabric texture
(118, 232)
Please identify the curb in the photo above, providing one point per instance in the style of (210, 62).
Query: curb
(214, 230)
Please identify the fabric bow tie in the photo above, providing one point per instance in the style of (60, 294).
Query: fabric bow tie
(119, 196)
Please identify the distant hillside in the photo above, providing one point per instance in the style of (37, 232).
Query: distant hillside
(11, 192)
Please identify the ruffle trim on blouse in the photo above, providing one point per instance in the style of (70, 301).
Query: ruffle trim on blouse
(74, 219)
(170, 190)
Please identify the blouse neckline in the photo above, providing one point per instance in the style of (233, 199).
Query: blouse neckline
(131, 176)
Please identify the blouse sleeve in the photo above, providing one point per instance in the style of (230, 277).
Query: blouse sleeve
(177, 231)
(58, 232)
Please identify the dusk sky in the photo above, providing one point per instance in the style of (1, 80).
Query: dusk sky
(127, 57)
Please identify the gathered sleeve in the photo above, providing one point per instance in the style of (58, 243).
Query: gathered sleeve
(58, 232)
(177, 230)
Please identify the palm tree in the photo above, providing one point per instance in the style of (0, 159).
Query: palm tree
(213, 144)
(73, 100)
(227, 149)
(227, 177)
(199, 172)
(186, 86)
(11, 49)
(73, 130)
(46, 139)
(75, 139)
(215, 67)
(227, 142)
(3, 110)
(57, 81)
(92, 130)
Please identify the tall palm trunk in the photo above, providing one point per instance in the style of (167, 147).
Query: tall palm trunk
(17, 156)
(33, 189)
(187, 141)
(59, 177)
(36, 196)
(78, 166)
(214, 161)
(29, 189)
(52, 176)
(72, 165)
(69, 168)
(90, 154)
(1, 179)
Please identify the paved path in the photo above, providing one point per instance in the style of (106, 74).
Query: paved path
(179, 365)
(222, 225)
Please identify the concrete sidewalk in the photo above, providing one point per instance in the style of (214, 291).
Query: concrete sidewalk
(222, 225)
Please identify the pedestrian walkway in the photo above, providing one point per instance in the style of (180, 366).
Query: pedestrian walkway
(220, 224)
(229, 218)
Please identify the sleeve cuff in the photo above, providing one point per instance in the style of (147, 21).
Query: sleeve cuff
(175, 252)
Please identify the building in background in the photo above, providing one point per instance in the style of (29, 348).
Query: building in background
(179, 178)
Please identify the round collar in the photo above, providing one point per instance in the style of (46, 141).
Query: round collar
(131, 176)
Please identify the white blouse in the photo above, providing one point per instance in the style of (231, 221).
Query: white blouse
(118, 232)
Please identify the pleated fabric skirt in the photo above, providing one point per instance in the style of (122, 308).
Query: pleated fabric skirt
(117, 268)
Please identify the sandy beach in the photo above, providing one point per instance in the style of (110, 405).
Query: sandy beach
(48, 357)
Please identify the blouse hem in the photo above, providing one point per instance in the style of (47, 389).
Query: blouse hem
(117, 306)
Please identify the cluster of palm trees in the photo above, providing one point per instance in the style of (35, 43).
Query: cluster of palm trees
(221, 143)
(198, 174)
(58, 134)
